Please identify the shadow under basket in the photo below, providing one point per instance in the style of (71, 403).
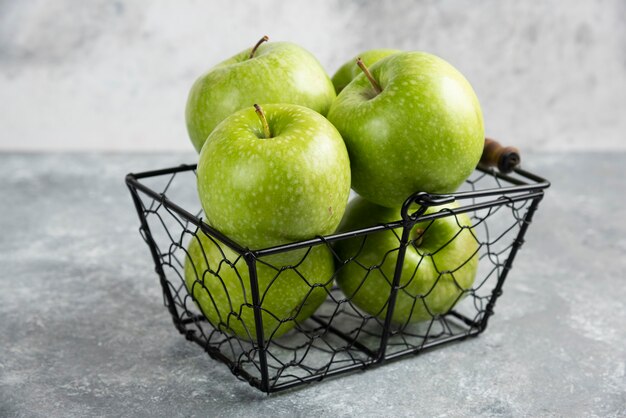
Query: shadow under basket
(339, 337)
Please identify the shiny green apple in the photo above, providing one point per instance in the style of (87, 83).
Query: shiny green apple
(348, 71)
(440, 264)
(274, 177)
(274, 72)
(219, 281)
(422, 132)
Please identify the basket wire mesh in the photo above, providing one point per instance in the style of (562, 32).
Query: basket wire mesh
(339, 337)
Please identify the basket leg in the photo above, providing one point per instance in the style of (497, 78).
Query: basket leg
(258, 321)
(394, 292)
(517, 243)
(155, 257)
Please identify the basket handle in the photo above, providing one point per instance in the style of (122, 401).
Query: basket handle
(495, 155)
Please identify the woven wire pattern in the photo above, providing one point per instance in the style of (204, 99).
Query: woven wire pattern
(339, 336)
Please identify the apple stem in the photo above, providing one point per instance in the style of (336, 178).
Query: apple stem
(369, 75)
(263, 39)
(418, 233)
(266, 126)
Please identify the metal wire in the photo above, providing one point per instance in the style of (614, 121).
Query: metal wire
(339, 337)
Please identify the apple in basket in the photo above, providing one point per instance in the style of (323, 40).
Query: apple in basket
(439, 267)
(272, 72)
(411, 123)
(268, 175)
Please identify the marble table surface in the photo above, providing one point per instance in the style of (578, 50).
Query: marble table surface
(83, 331)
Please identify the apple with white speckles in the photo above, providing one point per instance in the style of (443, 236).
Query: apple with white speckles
(348, 71)
(288, 295)
(439, 267)
(274, 175)
(273, 72)
(411, 123)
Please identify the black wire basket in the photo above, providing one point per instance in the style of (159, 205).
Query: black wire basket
(274, 350)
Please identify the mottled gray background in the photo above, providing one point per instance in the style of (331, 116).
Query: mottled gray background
(114, 75)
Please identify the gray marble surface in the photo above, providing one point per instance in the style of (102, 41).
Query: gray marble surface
(83, 331)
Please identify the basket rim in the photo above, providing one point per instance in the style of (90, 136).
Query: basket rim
(525, 186)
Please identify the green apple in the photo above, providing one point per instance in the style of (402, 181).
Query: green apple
(348, 71)
(439, 267)
(272, 176)
(413, 124)
(275, 72)
(219, 281)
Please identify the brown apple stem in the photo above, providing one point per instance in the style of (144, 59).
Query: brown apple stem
(266, 126)
(418, 233)
(369, 76)
(263, 39)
